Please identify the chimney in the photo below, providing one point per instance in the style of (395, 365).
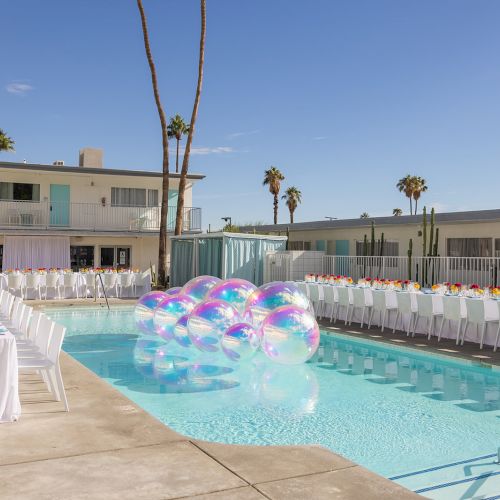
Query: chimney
(57, 163)
(90, 157)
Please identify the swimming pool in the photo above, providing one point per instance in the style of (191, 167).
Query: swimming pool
(396, 411)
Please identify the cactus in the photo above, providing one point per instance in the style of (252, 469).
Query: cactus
(431, 236)
(365, 253)
(410, 253)
(424, 246)
(381, 252)
(372, 246)
(435, 249)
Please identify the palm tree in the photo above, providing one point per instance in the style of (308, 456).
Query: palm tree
(397, 212)
(293, 197)
(162, 247)
(273, 178)
(406, 185)
(177, 128)
(420, 186)
(194, 114)
(6, 143)
(364, 215)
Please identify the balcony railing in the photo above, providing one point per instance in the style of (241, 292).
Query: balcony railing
(91, 216)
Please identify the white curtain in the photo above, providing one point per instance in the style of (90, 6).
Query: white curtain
(40, 251)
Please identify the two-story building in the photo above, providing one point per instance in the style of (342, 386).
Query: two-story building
(86, 215)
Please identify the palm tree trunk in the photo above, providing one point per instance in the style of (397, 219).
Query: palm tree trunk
(291, 216)
(162, 247)
(177, 158)
(416, 203)
(411, 207)
(185, 162)
(275, 209)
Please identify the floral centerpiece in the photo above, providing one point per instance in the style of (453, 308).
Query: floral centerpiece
(42, 270)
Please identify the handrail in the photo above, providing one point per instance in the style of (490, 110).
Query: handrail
(103, 289)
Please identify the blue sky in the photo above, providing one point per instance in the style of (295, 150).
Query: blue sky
(345, 97)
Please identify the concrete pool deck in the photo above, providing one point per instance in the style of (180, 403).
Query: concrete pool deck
(107, 447)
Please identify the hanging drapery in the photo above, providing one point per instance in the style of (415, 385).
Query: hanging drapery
(210, 257)
(181, 266)
(36, 251)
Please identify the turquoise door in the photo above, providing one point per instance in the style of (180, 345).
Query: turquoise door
(59, 205)
(173, 195)
(341, 247)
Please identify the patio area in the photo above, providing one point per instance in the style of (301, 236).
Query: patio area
(107, 447)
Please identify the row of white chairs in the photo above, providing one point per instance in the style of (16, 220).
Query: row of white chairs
(38, 341)
(88, 286)
(375, 302)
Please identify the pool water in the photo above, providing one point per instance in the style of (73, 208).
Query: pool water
(393, 410)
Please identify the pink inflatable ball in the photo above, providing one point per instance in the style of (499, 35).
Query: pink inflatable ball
(290, 335)
(169, 368)
(208, 322)
(270, 296)
(144, 310)
(234, 290)
(181, 335)
(240, 342)
(168, 312)
(175, 290)
(197, 288)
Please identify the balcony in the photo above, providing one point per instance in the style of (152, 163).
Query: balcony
(91, 217)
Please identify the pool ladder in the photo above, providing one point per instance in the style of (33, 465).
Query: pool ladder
(103, 289)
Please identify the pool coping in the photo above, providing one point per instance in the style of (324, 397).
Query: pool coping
(128, 453)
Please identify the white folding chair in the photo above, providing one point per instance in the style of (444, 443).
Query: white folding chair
(452, 312)
(32, 282)
(125, 280)
(32, 330)
(110, 282)
(380, 306)
(303, 288)
(39, 338)
(7, 305)
(314, 297)
(405, 306)
(476, 315)
(426, 308)
(15, 283)
(52, 281)
(70, 280)
(498, 331)
(89, 285)
(361, 299)
(329, 301)
(49, 364)
(345, 301)
(9, 319)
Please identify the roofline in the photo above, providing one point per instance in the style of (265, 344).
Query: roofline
(473, 216)
(220, 234)
(90, 170)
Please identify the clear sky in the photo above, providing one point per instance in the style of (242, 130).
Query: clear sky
(345, 97)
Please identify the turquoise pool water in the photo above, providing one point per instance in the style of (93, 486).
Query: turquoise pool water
(393, 410)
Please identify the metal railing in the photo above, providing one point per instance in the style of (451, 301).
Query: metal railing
(426, 270)
(91, 216)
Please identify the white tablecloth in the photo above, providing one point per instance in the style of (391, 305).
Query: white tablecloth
(10, 407)
(491, 309)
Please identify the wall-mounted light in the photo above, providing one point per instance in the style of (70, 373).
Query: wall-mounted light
(103, 201)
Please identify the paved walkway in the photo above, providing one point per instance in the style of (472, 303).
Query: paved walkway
(108, 448)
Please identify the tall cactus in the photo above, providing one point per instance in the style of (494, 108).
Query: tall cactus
(410, 253)
(365, 253)
(381, 254)
(435, 254)
(431, 236)
(372, 246)
(424, 246)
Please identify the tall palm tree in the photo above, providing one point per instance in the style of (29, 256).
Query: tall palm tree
(420, 187)
(176, 129)
(162, 247)
(273, 178)
(364, 215)
(406, 185)
(293, 197)
(6, 143)
(397, 212)
(194, 114)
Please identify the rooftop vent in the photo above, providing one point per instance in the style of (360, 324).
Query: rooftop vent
(90, 158)
(57, 163)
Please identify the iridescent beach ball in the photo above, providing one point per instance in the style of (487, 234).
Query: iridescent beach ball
(234, 290)
(269, 297)
(240, 342)
(168, 312)
(181, 332)
(144, 310)
(144, 354)
(290, 335)
(175, 290)
(169, 368)
(197, 288)
(208, 322)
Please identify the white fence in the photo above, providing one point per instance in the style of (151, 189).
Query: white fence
(293, 265)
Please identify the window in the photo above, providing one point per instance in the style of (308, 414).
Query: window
(81, 256)
(391, 248)
(299, 245)
(468, 247)
(16, 191)
(134, 197)
(1, 256)
(497, 247)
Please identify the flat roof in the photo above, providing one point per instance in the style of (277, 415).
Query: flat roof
(445, 217)
(90, 170)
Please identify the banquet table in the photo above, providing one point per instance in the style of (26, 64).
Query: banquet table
(491, 311)
(10, 407)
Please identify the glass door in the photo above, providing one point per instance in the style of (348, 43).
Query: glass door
(118, 257)
(123, 257)
(107, 256)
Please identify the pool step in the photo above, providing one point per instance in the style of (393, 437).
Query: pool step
(477, 477)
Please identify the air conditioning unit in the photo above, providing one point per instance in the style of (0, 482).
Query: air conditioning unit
(58, 163)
